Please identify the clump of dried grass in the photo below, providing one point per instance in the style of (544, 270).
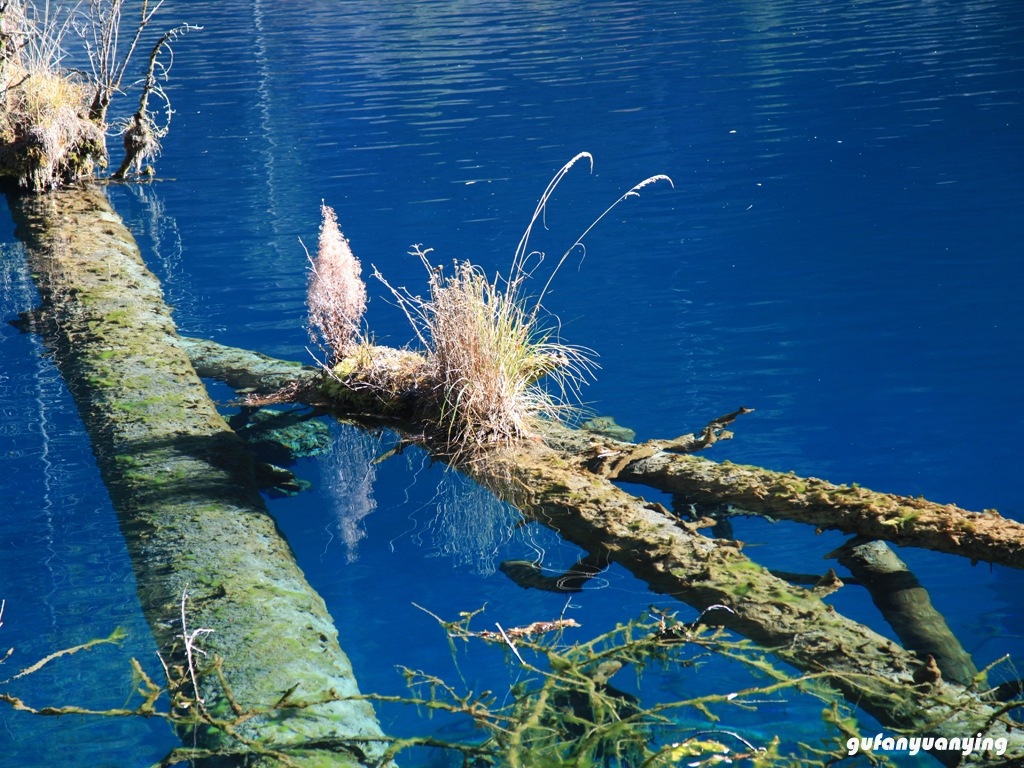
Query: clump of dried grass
(46, 137)
(486, 354)
(336, 296)
(495, 367)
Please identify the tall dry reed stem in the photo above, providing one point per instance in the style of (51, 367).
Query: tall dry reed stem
(495, 366)
(35, 32)
(336, 296)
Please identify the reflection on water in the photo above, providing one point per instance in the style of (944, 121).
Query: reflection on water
(160, 241)
(347, 476)
(470, 525)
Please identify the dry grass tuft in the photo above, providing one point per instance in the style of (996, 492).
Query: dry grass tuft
(336, 296)
(494, 364)
(486, 354)
(46, 138)
(52, 119)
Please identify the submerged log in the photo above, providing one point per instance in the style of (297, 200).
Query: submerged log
(907, 607)
(794, 623)
(667, 465)
(553, 482)
(181, 483)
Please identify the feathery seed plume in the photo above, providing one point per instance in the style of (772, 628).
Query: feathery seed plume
(337, 295)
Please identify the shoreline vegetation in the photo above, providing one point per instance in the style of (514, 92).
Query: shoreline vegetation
(261, 679)
(54, 119)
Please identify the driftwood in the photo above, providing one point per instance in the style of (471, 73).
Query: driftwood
(182, 485)
(561, 481)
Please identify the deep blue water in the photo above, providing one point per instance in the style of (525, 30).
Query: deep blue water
(841, 251)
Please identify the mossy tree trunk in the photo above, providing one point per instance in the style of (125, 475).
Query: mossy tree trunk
(182, 485)
(907, 606)
(562, 481)
(902, 520)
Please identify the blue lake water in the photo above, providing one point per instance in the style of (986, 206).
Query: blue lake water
(841, 251)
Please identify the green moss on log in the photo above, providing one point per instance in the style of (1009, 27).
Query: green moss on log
(181, 483)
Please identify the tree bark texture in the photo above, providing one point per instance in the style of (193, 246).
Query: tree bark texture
(181, 483)
(907, 607)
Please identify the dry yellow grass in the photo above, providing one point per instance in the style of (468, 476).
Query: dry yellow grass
(487, 354)
(495, 365)
(492, 362)
(44, 132)
(46, 137)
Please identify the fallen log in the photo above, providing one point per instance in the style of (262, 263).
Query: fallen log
(669, 466)
(983, 536)
(182, 485)
(557, 487)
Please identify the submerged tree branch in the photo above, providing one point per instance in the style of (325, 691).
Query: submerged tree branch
(182, 485)
(667, 465)
(907, 607)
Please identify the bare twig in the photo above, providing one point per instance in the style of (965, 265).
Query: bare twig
(141, 134)
(189, 638)
(101, 35)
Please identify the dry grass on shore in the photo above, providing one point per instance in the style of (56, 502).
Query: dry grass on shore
(46, 139)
